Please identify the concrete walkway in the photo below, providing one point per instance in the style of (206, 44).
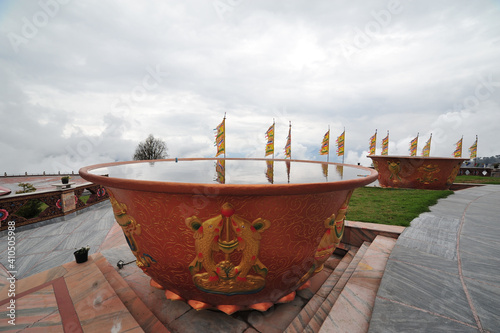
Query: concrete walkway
(444, 273)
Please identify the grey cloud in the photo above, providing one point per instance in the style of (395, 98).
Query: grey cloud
(85, 78)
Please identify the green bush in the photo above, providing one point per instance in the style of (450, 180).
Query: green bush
(27, 188)
(30, 209)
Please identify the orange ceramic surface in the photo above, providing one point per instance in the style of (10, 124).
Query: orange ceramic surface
(230, 245)
(430, 173)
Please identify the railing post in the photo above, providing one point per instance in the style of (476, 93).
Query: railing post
(68, 202)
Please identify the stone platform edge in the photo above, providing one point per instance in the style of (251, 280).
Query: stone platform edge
(356, 233)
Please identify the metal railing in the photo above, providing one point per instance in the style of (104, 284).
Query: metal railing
(55, 203)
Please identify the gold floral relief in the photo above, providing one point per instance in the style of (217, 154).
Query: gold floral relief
(228, 233)
(427, 173)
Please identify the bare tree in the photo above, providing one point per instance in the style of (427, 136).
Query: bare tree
(151, 149)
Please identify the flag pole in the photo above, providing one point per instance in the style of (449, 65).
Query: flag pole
(416, 148)
(224, 120)
(387, 142)
(328, 155)
(290, 136)
(274, 135)
(343, 153)
(461, 145)
(430, 143)
(476, 152)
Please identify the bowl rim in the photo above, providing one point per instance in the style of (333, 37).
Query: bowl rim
(420, 157)
(226, 189)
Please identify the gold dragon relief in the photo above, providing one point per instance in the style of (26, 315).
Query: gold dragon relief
(453, 174)
(335, 226)
(130, 229)
(228, 233)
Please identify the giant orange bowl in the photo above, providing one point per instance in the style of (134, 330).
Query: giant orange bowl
(431, 173)
(230, 233)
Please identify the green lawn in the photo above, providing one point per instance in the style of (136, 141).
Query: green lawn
(477, 180)
(391, 206)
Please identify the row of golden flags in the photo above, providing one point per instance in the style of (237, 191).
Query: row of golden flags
(385, 145)
(270, 140)
(269, 150)
(220, 143)
(325, 144)
(414, 144)
(373, 144)
(324, 149)
(472, 149)
(220, 140)
(426, 151)
(270, 136)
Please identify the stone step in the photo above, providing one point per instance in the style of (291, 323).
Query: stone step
(326, 297)
(72, 297)
(353, 309)
(279, 316)
(148, 321)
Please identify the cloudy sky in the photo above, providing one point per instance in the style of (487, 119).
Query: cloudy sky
(83, 82)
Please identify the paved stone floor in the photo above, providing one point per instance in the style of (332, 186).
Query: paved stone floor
(444, 273)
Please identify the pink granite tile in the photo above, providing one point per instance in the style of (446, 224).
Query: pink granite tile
(165, 310)
(325, 308)
(333, 261)
(318, 279)
(36, 280)
(359, 232)
(332, 280)
(352, 310)
(277, 318)
(315, 303)
(147, 320)
(39, 305)
(305, 315)
(4, 274)
(45, 329)
(97, 305)
(376, 227)
(113, 239)
(51, 323)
